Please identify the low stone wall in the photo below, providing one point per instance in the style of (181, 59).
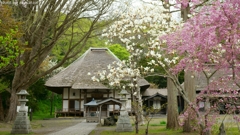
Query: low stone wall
(92, 119)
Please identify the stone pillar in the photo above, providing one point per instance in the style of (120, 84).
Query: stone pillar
(123, 123)
(22, 123)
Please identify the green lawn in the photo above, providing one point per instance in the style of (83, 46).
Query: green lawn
(157, 126)
(161, 130)
(153, 130)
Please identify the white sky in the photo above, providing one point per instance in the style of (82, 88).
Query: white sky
(139, 3)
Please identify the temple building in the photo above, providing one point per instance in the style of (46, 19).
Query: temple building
(78, 89)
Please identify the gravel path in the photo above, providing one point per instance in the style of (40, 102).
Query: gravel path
(82, 128)
(43, 127)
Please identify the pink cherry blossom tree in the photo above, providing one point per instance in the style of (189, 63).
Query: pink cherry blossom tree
(210, 37)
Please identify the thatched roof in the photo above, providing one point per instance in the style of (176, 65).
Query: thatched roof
(76, 75)
(155, 95)
(201, 80)
(151, 92)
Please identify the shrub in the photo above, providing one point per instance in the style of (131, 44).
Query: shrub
(163, 122)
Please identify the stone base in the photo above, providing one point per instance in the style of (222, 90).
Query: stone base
(21, 124)
(123, 124)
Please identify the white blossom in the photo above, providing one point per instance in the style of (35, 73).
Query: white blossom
(146, 68)
(95, 79)
(102, 77)
(152, 53)
(153, 62)
(130, 85)
(152, 70)
(139, 36)
(111, 83)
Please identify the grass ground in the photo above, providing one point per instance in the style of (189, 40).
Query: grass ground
(153, 130)
(157, 126)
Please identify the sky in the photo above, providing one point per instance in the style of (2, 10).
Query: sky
(139, 3)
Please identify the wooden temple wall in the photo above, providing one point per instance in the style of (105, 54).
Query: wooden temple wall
(74, 100)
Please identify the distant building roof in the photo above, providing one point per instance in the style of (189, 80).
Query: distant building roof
(91, 103)
(151, 91)
(110, 101)
(156, 95)
(201, 80)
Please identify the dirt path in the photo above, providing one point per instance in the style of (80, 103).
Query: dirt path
(40, 127)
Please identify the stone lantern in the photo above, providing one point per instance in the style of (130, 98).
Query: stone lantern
(123, 94)
(22, 123)
(123, 123)
(123, 98)
(23, 100)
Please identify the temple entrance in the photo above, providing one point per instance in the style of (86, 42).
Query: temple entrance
(73, 105)
(96, 110)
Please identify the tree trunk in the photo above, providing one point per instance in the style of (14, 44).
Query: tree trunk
(1, 109)
(189, 82)
(184, 12)
(189, 86)
(136, 124)
(140, 110)
(12, 112)
(222, 130)
(135, 106)
(172, 108)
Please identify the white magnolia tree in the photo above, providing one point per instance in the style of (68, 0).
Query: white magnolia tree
(138, 30)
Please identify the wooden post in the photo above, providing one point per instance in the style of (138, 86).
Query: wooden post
(148, 102)
(80, 101)
(100, 114)
(85, 100)
(68, 100)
